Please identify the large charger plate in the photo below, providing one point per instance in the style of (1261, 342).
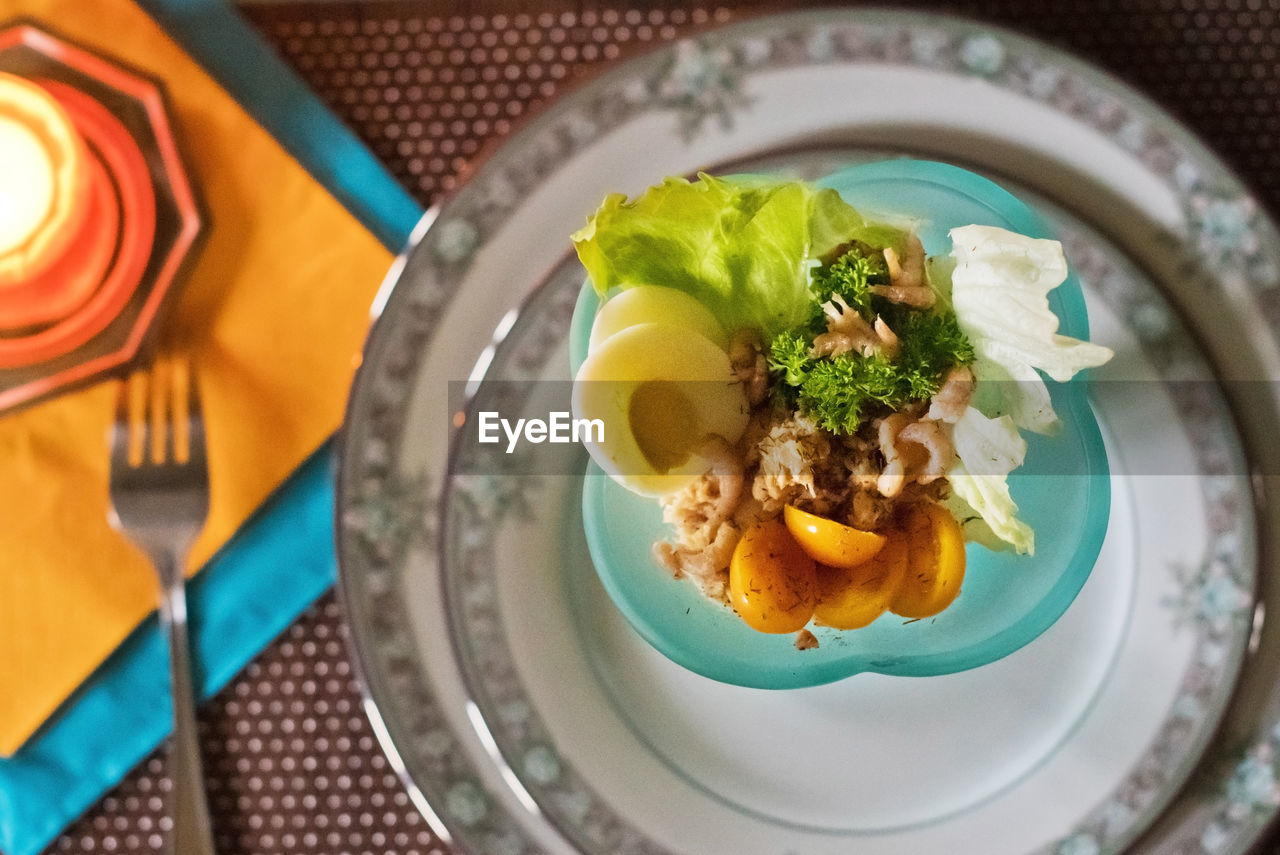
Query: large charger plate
(526, 717)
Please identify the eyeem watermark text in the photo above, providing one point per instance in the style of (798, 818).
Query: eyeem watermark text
(558, 427)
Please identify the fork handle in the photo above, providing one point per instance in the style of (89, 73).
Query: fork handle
(192, 833)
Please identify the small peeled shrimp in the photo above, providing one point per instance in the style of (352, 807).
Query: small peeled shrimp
(949, 402)
(707, 566)
(897, 433)
(894, 475)
(846, 331)
(888, 338)
(930, 436)
(906, 276)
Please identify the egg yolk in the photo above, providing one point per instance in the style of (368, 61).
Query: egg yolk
(662, 421)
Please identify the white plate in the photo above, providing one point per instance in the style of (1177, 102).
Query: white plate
(527, 716)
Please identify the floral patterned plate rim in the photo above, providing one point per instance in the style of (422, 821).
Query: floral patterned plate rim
(483, 508)
(436, 732)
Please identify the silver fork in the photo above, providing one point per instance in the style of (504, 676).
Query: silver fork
(159, 500)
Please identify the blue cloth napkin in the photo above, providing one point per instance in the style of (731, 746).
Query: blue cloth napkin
(283, 557)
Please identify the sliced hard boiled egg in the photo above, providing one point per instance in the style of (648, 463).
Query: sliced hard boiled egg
(642, 304)
(662, 392)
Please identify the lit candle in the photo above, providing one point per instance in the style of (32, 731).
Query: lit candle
(43, 180)
(26, 184)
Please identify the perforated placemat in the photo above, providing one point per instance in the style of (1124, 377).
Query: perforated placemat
(291, 762)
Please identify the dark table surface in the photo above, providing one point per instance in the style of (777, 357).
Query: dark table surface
(292, 765)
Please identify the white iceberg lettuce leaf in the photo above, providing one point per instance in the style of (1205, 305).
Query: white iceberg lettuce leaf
(987, 450)
(973, 526)
(989, 497)
(989, 446)
(1029, 404)
(1000, 292)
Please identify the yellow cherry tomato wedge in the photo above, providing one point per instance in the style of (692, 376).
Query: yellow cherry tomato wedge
(852, 597)
(935, 566)
(772, 582)
(829, 542)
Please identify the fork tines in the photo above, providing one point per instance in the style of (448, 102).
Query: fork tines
(160, 408)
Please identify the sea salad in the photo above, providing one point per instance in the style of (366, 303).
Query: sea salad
(825, 413)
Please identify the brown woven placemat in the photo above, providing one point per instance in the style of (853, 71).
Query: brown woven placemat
(291, 762)
(425, 90)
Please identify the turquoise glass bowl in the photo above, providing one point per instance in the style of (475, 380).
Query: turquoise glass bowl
(1006, 600)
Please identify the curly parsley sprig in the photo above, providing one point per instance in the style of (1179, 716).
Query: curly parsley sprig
(843, 391)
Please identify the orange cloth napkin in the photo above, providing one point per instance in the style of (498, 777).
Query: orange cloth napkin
(275, 310)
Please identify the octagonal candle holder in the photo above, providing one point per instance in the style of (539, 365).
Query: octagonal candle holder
(138, 237)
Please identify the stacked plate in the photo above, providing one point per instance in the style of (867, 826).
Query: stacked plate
(527, 716)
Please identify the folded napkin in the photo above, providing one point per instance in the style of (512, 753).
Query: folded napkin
(275, 309)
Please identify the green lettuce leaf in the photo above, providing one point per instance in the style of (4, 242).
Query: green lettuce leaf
(741, 245)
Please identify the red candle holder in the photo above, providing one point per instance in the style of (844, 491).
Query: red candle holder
(90, 311)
